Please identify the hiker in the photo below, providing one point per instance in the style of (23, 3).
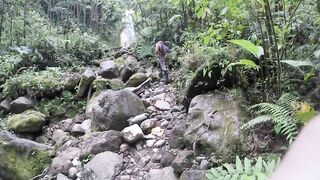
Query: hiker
(161, 50)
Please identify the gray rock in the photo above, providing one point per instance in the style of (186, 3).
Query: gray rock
(125, 177)
(86, 125)
(124, 147)
(132, 134)
(193, 175)
(138, 119)
(5, 105)
(126, 73)
(109, 69)
(182, 161)
(204, 165)
(61, 176)
(79, 119)
(114, 109)
(150, 143)
(63, 162)
(21, 104)
(101, 84)
(148, 125)
(104, 166)
(164, 124)
(58, 134)
(72, 80)
(78, 130)
(98, 142)
(66, 125)
(32, 157)
(73, 173)
(166, 158)
(86, 79)
(160, 143)
(28, 122)
(158, 174)
(213, 122)
(162, 105)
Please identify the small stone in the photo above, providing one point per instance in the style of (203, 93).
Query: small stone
(204, 165)
(66, 125)
(156, 158)
(76, 162)
(162, 105)
(149, 136)
(164, 124)
(58, 134)
(124, 147)
(150, 143)
(145, 160)
(73, 173)
(182, 161)
(125, 177)
(151, 109)
(79, 119)
(200, 158)
(77, 130)
(21, 104)
(157, 131)
(132, 134)
(147, 125)
(160, 143)
(86, 125)
(138, 119)
(166, 158)
(138, 147)
(60, 176)
(129, 171)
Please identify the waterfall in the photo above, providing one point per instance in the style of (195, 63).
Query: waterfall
(127, 34)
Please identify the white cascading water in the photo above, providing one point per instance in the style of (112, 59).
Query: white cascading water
(127, 34)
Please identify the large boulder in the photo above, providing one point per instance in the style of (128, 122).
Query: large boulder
(166, 173)
(72, 80)
(182, 161)
(109, 69)
(21, 158)
(86, 79)
(212, 125)
(21, 104)
(112, 111)
(104, 166)
(27, 122)
(98, 142)
(132, 134)
(136, 79)
(102, 84)
(128, 65)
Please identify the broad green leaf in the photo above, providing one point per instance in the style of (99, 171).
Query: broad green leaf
(258, 167)
(206, 40)
(298, 63)
(247, 166)
(257, 51)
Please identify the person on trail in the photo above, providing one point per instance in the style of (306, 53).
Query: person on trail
(161, 50)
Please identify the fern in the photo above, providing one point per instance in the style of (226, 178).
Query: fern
(244, 170)
(144, 49)
(281, 114)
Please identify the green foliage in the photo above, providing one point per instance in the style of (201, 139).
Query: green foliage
(64, 105)
(34, 82)
(144, 49)
(245, 170)
(283, 114)
(257, 51)
(8, 64)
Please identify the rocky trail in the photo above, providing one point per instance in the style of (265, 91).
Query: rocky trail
(133, 131)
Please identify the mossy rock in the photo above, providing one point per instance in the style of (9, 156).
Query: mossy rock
(20, 158)
(120, 62)
(136, 79)
(27, 122)
(101, 84)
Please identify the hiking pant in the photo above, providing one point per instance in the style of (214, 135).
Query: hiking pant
(162, 64)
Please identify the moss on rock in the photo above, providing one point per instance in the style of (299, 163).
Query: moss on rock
(27, 122)
(136, 79)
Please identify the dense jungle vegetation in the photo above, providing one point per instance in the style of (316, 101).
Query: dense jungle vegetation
(270, 49)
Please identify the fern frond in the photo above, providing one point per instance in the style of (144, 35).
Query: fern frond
(258, 120)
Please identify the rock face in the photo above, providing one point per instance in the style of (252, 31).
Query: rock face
(136, 79)
(108, 69)
(21, 104)
(112, 111)
(20, 158)
(213, 124)
(164, 174)
(104, 166)
(98, 142)
(27, 122)
(86, 79)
